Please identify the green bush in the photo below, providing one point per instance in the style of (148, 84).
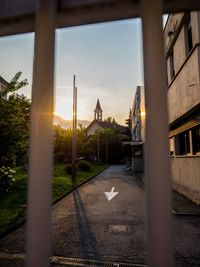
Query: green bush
(69, 169)
(6, 178)
(83, 165)
(8, 159)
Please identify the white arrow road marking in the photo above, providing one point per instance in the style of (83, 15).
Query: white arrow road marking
(111, 194)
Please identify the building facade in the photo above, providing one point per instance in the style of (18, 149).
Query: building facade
(182, 47)
(138, 130)
(138, 116)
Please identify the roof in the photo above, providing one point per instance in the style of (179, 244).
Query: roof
(98, 107)
(108, 125)
(3, 81)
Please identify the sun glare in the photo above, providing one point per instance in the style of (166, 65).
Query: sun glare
(63, 108)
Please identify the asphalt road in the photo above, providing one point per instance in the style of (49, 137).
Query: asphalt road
(85, 225)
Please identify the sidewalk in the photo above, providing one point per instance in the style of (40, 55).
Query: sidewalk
(181, 205)
(184, 206)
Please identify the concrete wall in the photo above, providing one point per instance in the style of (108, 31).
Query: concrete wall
(137, 164)
(138, 115)
(135, 117)
(172, 23)
(183, 95)
(179, 50)
(186, 176)
(138, 130)
(184, 92)
(176, 41)
(195, 22)
(142, 113)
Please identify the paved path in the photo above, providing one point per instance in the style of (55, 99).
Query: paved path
(86, 225)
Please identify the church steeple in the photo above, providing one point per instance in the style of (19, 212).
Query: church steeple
(98, 111)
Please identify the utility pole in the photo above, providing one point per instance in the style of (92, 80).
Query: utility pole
(98, 147)
(107, 133)
(74, 133)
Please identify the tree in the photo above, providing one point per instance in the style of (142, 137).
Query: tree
(14, 124)
(62, 144)
(111, 120)
(128, 121)
(14, 85)
(109, 143)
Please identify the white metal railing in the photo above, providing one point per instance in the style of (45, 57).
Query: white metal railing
(18, 16)
(159, 233)
(157, 165)
(41, 141)
(158, 195)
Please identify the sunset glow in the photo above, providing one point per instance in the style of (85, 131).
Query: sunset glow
(106, 59)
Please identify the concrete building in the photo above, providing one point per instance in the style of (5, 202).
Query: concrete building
(138, 130)
(182, 47)
(138, 116)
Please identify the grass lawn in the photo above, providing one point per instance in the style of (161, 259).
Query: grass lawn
(13, 203)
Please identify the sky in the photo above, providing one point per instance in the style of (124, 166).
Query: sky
(106, 59)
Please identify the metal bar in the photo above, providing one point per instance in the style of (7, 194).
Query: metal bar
(76, 108)
(107, 133)
(18, 16)
(158, 191)
(41, 142)
(74, 134)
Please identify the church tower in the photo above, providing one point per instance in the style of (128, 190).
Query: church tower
(98, 112)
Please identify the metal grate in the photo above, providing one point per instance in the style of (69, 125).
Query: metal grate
(63, 261)
(84, 262)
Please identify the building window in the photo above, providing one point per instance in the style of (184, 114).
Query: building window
(187, 142)
(188, 33)
(183, 143)
(196, 140)
(171, 146)
(171, 60)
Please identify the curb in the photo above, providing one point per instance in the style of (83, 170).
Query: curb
(138, 176)
(22, 221)
(79, 185)
(185, 213)
(12, 228)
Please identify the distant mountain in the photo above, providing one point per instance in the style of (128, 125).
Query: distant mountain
(57, 120)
